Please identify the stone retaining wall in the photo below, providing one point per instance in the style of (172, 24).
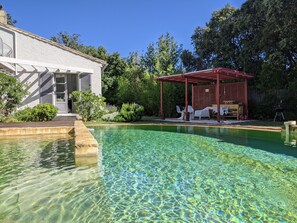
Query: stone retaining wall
(36, 131)
(85, 144)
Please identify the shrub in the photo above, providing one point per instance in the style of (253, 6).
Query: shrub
(24, 115)
(9, 119)
(131, 112)
(11, 94)
(41, 112)
(110, 117)
(44, 112)
(88, 105)
(111, 109)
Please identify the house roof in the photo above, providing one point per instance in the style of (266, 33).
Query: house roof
(209, 75)
(104, 63)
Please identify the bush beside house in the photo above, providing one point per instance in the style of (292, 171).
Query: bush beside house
(11, 94)
(39, 113)
(88, 104)
(129, 112)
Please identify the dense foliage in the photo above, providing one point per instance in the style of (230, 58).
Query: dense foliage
(39, 113)
(132, 79)
(131, 112)
(24, 115)
(10, 20)
(88, 104)
(11, 94)
(44, 112)
(259, 38)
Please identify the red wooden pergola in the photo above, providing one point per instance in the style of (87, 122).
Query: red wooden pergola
(205, 76)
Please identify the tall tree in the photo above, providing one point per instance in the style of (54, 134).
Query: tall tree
(116, 68)
(163, 58)
(11, 21)
(215, 43)
(69, 40)
(258, 38)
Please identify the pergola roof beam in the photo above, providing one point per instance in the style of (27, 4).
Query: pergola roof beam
(209, 75)
(44, 65)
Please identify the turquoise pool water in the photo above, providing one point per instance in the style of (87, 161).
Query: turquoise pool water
(152, 174)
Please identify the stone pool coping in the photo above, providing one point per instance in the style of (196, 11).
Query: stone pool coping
(36, 128)
(247, 127)
(85, 144)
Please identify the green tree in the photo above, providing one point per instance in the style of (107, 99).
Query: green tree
(89, 105)
(69, 40)
(162, 58)
(149, 59)
(10, 21)
(258, 38)
(191, 61)
(216, 43)
(11, 94)
(116, 68)
(131, 79)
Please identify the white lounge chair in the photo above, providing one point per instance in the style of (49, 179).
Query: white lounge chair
(203, 113)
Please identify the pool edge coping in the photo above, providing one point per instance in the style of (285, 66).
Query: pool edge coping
(85, 143)
(248, 127)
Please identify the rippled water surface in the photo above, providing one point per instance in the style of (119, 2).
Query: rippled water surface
(151, 174)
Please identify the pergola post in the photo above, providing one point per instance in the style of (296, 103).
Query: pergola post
(193, 96)
(186, 100)
(246, 111)
(218, 97)
(162, 116)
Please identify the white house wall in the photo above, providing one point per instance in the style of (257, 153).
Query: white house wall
(36, 50)
(28, 48)
(32, 83)
(8, 37)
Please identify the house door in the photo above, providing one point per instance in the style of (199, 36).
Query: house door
(61, 93)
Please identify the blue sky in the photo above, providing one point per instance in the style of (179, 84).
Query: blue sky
(118, 25)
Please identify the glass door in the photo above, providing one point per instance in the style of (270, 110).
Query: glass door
(61, 93)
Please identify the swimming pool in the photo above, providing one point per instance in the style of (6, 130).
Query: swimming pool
(152, 174)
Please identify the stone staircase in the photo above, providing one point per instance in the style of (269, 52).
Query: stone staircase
(67, 117)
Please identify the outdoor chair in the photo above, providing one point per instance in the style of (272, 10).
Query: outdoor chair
(202, 113)
(191, 112)
(223, 110)
(178, 110)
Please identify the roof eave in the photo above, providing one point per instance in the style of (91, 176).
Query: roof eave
(86, 56)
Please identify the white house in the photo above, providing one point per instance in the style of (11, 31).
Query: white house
(50, 70)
